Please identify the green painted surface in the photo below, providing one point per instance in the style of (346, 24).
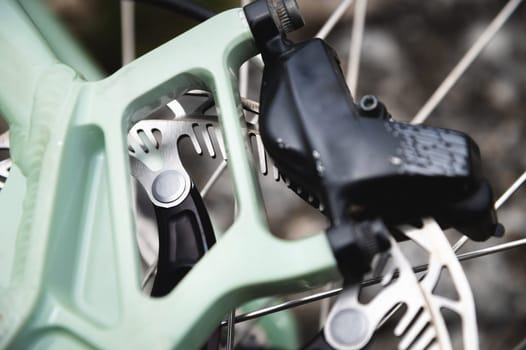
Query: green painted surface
(63, 45)
(74, 277)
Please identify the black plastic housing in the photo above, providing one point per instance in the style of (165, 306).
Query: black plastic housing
(361, 167)
(185, 235)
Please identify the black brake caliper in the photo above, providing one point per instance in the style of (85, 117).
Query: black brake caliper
(362, 165)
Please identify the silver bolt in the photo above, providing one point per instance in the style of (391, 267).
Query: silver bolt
(348, 328)
(168, 186)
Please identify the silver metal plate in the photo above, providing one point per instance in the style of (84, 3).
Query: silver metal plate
(422, 325)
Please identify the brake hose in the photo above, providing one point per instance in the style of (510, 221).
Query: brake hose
(184, 7)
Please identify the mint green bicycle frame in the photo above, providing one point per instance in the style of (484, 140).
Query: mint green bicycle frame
(69, 267)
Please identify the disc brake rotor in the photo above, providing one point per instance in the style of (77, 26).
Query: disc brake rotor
(153, 149)
(206, 139)
(422, 325)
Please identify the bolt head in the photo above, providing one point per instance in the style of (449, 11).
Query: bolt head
(348, 328)
(168, 186)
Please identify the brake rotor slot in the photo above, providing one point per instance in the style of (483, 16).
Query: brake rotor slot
(5, 160)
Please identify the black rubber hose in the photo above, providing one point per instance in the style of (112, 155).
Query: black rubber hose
(184, 7)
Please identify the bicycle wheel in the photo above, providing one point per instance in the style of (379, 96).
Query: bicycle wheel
(78, 307)
(383, 44)
(389, 103)
(406, 48)
(388, 74)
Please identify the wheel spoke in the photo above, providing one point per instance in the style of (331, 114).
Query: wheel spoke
(492, 250)
(128, 47)
(127, 31)
(244, 70)
(333, 19)
(369, 282)
(460, 243)
(213, 178)
(511, 190)
(360, 10)
(231, 330)
(466, 61)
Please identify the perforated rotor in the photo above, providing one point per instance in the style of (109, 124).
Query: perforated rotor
(5, 161)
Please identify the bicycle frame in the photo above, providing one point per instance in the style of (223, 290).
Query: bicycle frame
(69, 268)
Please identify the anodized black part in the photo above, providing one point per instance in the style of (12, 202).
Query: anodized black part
(185, 235)
(354, 244)
(317, 343)
(261, 22)
(360, 167)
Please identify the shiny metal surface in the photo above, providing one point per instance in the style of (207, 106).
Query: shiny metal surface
(4, 140)
(154, 155)
(5, 164)
(442, 260)
(230, 336)
(421, 324)
(150, 158)
(369, 282)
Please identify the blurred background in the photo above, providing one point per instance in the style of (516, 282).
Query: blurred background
(408, 49)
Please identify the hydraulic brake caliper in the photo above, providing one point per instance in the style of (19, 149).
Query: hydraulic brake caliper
(365, 168)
